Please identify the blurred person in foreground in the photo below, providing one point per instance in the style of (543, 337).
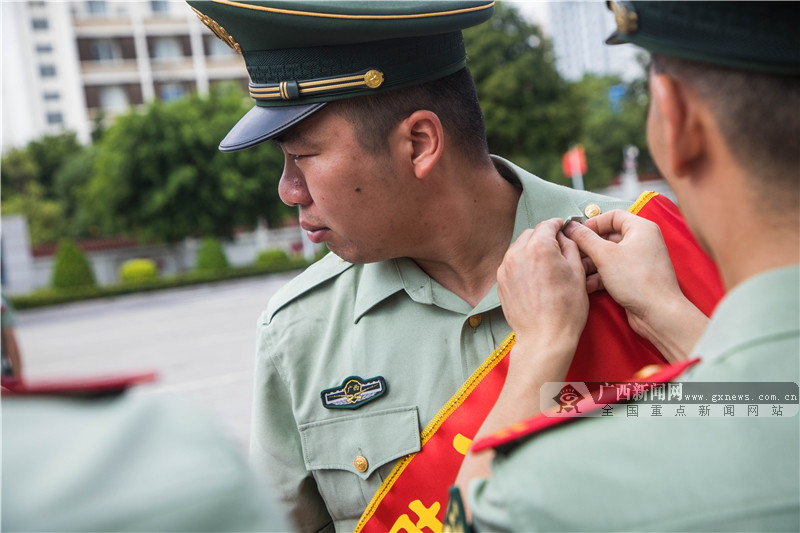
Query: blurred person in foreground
(11, 359)
(723, 126)
(89, 455)
(376, 366)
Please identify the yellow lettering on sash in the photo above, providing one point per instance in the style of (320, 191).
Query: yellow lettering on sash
(426, 515)
(461, 444)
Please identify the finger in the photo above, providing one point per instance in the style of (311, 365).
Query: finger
(588, 265)
(548, 228)
(594, 283)
(610, 222)
(570, 251)
(590, 243)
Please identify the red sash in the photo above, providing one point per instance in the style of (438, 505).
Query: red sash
(414, 495)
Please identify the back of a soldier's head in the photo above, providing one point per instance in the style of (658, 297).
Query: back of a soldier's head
(743, 60)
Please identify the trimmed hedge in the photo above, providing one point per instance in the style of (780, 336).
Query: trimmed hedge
(138, 270)
(71, 269)
(210, 256)
(46, 297)
(272, 257)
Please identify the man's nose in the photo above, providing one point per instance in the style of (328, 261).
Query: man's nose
(292, 186)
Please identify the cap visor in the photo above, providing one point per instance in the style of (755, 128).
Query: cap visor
(264, 123)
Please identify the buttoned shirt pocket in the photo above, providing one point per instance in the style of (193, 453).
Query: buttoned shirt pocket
(350, 456)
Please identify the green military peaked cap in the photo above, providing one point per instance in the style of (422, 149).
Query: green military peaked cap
(302, 54)
(758, 36)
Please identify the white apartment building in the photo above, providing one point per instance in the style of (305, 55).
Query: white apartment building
(578, 30)
(67, 64)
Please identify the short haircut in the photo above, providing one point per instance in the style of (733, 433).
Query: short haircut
(453, 99)
(758, 115)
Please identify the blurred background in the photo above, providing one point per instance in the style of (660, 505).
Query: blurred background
(129, 242)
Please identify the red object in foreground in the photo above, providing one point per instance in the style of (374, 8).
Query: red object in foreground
(77, 386)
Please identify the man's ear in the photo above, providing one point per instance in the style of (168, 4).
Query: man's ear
(682, 122)
(423, 136)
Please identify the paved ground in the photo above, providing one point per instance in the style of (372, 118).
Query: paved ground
(201, 341)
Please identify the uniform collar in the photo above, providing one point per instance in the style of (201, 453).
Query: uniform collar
(539, 201)
(762, 307)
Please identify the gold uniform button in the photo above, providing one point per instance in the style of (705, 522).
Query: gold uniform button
(361, 463)
(592, 210)
(475, 320)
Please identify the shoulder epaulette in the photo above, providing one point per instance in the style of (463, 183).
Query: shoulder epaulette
(323, 270)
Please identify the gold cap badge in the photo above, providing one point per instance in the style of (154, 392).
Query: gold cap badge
(626, 18)
(218, 30)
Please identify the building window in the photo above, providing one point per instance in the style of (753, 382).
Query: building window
(55, 118)
(44, 48)
(40, 24)
(96, 7)
(159, 6)
(47, 71)
(167, 48)
(171, 91)
(113, 98)
(104, 50)
(51, 96)
(218, 48)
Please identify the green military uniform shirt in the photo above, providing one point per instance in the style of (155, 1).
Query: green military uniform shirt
(387, 320)
(660, 474)
(125, 463)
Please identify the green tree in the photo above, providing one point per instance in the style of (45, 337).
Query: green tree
(159, 176)
(69, 187)
(608, 125)
(18, 169)
(529, 115)
(50, 152)
(45, 217)
(71, 268)
(29, 185)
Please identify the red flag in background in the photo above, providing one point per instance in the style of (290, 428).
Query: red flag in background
(574, 161)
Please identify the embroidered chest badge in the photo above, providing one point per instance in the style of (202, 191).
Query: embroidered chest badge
(353, 393)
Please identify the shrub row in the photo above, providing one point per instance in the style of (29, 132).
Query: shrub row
(45, 297)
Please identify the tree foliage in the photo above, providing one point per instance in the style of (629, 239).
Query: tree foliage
(29, 188)
(46, 221)
(607, 126)
(529, 116)
(533, 116)
(159, 175)
(38, 162)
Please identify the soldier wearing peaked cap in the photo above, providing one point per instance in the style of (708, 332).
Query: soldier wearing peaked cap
(370, 362)
(723, 127)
